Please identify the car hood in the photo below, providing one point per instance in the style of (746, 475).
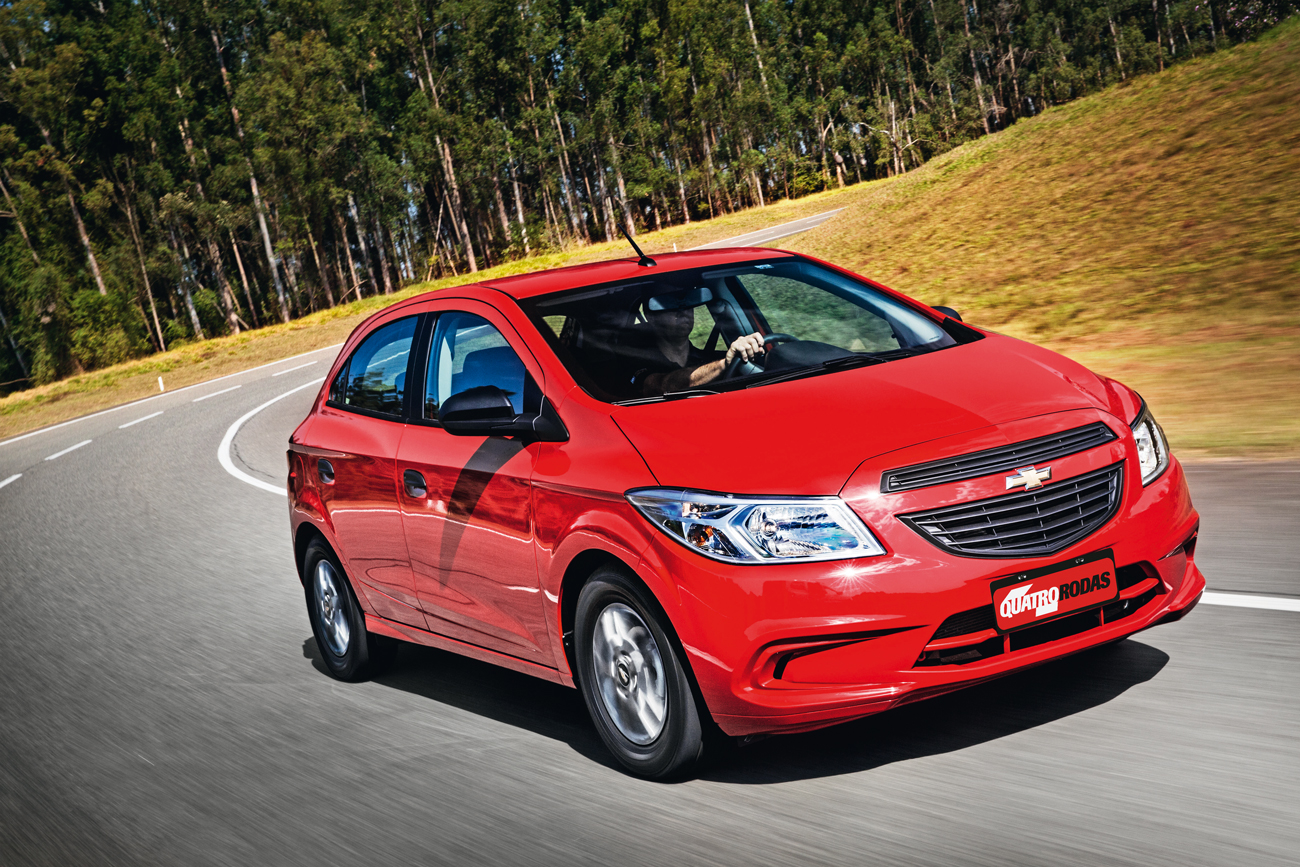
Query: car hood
(807, 436)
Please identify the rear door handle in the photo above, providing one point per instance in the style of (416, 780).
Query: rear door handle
(326, 471)
(416, 487)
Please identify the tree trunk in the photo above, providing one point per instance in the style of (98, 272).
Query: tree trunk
(243, 277)
(182, 285)
(622, 187)
(758, 54)
(271, 259)
(1119, 60)
(347, 248)
(144, 272)
(361, 240)
(383, 258)
(566, 172)
(19, 220)
(519, 200)
(22, 365)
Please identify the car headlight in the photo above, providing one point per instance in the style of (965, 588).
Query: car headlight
(757, 529)
(1153, 450)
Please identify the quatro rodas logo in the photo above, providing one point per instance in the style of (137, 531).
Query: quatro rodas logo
(1021, 600)
(1043, 601)
(1029, 477)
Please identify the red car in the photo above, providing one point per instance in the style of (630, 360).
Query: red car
(726, 493)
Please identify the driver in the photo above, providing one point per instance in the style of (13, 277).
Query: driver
(671, 362)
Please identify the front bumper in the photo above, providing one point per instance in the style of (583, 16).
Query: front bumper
(793, 647)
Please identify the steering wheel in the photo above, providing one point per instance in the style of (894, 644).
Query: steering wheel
(775, 337)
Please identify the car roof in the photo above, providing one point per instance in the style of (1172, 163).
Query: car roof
(576, 276)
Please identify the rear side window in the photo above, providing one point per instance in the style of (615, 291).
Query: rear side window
(374, 379)
(468, 352)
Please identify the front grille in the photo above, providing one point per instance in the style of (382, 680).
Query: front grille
(1000, 459)
(1025, 524)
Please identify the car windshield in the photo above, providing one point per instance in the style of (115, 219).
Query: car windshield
(667, 335)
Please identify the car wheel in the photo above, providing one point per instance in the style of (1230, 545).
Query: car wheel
(635, 686)
(349, 652)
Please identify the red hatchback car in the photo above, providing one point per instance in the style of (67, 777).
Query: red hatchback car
(726, 493)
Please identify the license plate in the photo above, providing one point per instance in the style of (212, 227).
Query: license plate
(1043, 594)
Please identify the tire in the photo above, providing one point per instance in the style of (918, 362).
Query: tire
(632, 679)
(348, 651)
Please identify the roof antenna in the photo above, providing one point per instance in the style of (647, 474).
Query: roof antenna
(645, 261)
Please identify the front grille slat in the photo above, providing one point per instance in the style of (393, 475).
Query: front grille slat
(1099, 499)
(1027, 523)
(1000, 459)
(1045, 498)
(1003, 533)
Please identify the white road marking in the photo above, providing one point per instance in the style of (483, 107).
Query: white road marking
(15, 477)
(168, 394)
(142, 418)
(223, 450)
(292, 369)
(69, 449)
(215, 393)
(732, 242)
(1245, 600)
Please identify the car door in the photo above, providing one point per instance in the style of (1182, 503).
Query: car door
(361, 426)
(466, 500)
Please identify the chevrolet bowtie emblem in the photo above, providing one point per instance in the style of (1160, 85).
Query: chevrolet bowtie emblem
(1029, 477)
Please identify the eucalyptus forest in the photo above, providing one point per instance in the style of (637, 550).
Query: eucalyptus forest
(180, 169)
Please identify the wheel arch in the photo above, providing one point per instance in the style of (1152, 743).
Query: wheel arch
(576, 575)
(307, 532)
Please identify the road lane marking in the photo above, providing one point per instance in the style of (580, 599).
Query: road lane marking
(223, 450)
(215, 393)
(15, 477)
(292, 369)
(168, 394)
(731, 242)
(69, 449)
(1246, 600)
(143, 418)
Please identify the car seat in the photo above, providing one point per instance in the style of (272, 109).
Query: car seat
(497, 366)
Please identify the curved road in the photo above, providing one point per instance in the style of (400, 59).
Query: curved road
(162, 701)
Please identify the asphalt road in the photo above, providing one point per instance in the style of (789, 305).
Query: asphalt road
(773, 233)
(162, 701)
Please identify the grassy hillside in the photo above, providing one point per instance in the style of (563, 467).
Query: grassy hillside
(1151, 231)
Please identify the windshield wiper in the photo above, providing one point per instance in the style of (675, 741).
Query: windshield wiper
(844, 362)
(671, 395)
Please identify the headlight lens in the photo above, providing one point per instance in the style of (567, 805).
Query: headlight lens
(1153, 451)
(758, 529)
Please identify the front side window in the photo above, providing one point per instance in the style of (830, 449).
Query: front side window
(706, 330)
(374, 379)
(468, 352)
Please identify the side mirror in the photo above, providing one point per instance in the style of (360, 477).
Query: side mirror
(486, 411)
(948, 311)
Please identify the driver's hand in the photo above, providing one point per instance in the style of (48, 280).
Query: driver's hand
(746, 347)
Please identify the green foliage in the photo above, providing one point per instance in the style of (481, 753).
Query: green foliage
(152, 154)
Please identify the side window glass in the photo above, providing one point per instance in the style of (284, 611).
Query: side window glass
(467, 352)
(375, 378)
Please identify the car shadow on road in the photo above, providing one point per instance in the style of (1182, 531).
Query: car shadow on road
(945, 724)
(530, 703)
(951, 722)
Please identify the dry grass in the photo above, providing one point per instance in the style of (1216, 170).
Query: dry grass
(1150, 231)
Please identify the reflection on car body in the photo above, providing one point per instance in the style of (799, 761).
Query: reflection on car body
(728, 493)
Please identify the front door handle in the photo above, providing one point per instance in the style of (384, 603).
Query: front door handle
(326, 471)
(416, 487)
